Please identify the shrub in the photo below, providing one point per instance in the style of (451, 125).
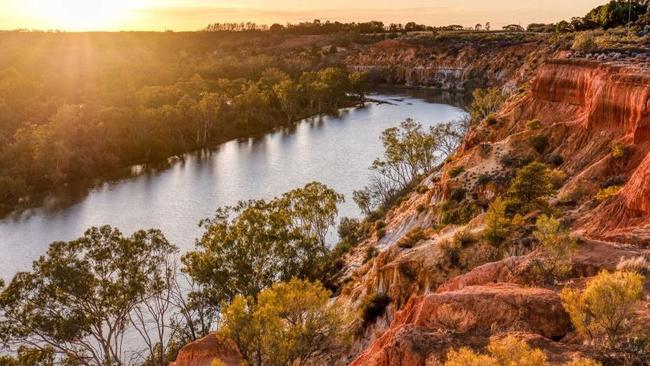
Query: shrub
(381, 233)
(449, 252)
(603, 311)
(477, 255)
(422, 189)
(421, 208)
(371, 252)
(555, 160)
(618, 150)
(491, 120)
(464, 238)
(507, 351)
(458, 194)
(607, 193)
(484, 179)
(297, 312)
(557, 242)
(484, 150)
(496, 227)
(558, 177)
(373, 307)
(350, 231)
(411, 238)
(456, 171)
(534, 124)
(584, 42)
(539, 143)
(456, 320)
(486, 102)
(639, 265)
(453, 214)
(380, 224)
(531, 186)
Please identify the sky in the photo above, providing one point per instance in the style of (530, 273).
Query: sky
(183, 15)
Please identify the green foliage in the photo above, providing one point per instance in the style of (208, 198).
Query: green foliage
(57, 129)
(555, 239)
(606, 193)
(458, 194)
(616, 13)
(411, 238)
(484, 179)
(486, 102)
(584, 42)
(81, 289)
(371, 250)
(508, 351)
(539, 143)
(603, 311)
(351, 231)
(373, 307)
(26, 356)
(248, 247)
(530, 187)
(534, 124)
(491, 120)
(359, 84)
(456, 171)
(457, 214)
(497, 223)
(555, 160)
(618, 149)
(286, 323)
(409, 153)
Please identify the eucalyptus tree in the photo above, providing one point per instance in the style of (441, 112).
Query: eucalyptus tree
(78, 300)
(248, 247)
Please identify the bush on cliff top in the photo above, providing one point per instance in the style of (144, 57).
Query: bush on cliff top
(603, 311)
(508, 351)
(287, 322)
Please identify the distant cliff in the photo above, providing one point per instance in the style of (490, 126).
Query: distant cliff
(452, 65)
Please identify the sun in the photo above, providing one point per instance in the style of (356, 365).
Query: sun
(79, 14)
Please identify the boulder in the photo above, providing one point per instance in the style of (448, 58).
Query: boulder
(205, 350)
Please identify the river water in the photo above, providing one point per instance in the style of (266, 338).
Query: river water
(335, 150)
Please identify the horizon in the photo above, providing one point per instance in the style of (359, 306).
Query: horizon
(194, 15)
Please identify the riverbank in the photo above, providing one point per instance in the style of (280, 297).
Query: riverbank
(335, 150)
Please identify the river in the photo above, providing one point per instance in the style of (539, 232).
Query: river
(335, 150)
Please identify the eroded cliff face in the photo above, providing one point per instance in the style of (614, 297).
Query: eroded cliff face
(451, 65)
(602, 104)
(583, 106)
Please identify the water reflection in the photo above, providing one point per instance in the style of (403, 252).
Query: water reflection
(176, 194)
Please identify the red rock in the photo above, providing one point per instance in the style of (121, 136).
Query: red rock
(417, 330)
(203, 351)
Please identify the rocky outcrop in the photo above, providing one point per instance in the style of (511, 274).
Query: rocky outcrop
(205, 350)
(584, 106)
(420, 331)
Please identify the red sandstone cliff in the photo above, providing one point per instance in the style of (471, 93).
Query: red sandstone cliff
(584, 106)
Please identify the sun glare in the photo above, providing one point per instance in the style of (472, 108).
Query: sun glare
(79, 14)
